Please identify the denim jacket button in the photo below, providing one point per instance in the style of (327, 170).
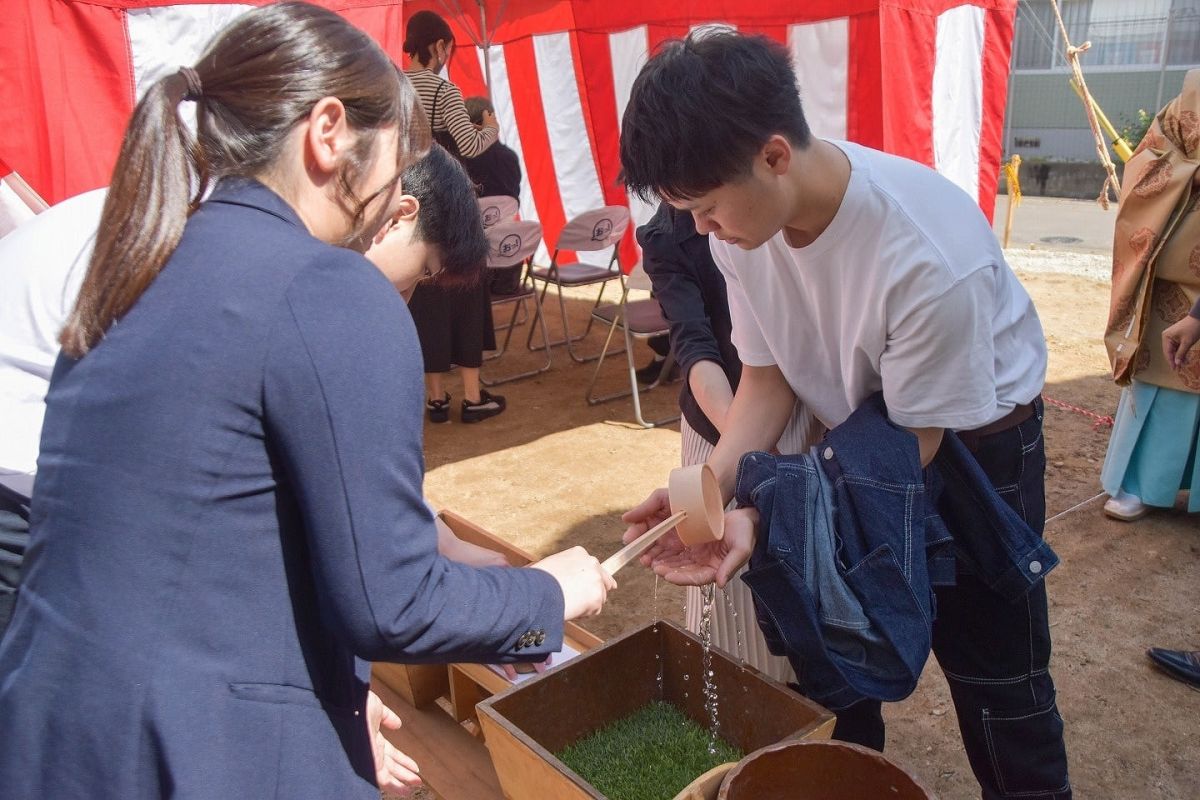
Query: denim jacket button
(827, 453)
(1035, 567)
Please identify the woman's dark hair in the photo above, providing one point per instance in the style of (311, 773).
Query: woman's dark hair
(258, 79)
(701, 108)
(424, 30)
(449, 217)
(475, 108)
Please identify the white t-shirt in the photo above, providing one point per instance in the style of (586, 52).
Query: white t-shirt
(42, 264)
(906, 291)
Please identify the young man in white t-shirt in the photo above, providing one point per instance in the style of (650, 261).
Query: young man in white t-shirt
(851, 272)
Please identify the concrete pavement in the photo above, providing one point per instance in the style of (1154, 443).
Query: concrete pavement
(1051, 223)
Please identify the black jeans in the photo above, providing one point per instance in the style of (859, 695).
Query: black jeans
(14, 538)
(996, 654)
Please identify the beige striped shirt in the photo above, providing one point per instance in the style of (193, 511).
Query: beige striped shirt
(450, 114)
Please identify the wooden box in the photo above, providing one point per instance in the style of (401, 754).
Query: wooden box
(525, 725)
(436, 701)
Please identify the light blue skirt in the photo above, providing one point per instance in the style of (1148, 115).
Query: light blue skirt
(1152, 452)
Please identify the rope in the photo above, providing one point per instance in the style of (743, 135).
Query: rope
(1101, 147)
(1011, 175)
(1098, 419)
(1075, 507)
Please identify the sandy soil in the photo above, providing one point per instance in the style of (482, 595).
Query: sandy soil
(554, 472)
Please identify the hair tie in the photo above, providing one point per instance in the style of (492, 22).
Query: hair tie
(194, 90)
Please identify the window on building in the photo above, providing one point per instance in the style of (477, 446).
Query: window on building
(1039, 43)
(1184, 46)
(1122, 32)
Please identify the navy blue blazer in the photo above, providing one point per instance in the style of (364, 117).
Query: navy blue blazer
(227, 524)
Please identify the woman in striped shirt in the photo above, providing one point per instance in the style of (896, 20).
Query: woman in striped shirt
(454, 326)
(429, 44)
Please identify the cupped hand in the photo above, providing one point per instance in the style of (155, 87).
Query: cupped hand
(709, 562)
(641, 518)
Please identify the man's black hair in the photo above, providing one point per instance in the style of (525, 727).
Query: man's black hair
(701, 108)
(449, 217)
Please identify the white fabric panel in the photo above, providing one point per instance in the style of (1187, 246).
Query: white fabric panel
(506, 117)
(165, 38)
(958, 96)
(13, 210)
(820, 56)
(629, 51)
(574, 166)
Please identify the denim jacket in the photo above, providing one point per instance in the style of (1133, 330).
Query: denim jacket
(853, 537)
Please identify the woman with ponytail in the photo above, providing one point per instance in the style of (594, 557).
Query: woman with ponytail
(227, 521)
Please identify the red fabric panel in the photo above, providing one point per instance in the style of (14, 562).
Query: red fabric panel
(466, 72)
(908, 41)
(385, 24)
(997, 53)
(68, 91)
(776, 33)
(535, 140)
(656, 34)
(864, 85)
(599, 16)
(938, 7)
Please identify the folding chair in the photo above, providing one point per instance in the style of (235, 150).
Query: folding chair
(639, 319)
(501, 208)
(498, 208)
(510, 244)
(593, 230)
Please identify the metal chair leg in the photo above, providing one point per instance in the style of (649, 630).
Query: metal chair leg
(540, 318)
(633, 387)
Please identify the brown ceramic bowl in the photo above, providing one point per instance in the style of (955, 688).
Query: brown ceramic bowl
(819, 771)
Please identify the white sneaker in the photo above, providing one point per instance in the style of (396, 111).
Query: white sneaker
(1125, 507)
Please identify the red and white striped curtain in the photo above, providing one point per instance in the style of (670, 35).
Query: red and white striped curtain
(924, 79)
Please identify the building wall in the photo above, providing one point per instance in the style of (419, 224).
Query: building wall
(1046, 119)
(1140, 51)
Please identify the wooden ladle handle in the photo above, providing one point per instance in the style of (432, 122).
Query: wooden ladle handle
(641, 544)
(697, 513)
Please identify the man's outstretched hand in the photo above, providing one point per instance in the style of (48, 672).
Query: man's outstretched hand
(698, 565)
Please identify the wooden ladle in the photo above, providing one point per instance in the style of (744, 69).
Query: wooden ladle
(696, 512)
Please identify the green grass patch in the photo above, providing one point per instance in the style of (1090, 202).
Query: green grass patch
(650, 755)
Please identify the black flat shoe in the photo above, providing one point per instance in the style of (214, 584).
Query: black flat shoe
(489, 405)
(1183, 665)
(439, 410)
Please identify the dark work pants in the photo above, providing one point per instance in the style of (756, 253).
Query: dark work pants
(14, 538)
(996, 653)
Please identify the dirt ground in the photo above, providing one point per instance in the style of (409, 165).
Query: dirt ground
(554, 472)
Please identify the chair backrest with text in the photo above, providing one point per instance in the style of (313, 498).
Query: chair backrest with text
(498, 208)
(596, 229)
(513, 242)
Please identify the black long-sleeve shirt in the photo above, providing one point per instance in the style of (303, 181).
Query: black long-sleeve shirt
(691, 290)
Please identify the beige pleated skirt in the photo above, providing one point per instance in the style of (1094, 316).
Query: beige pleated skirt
(734, 629)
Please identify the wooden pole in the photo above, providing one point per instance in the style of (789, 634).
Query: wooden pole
(1011, 170)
